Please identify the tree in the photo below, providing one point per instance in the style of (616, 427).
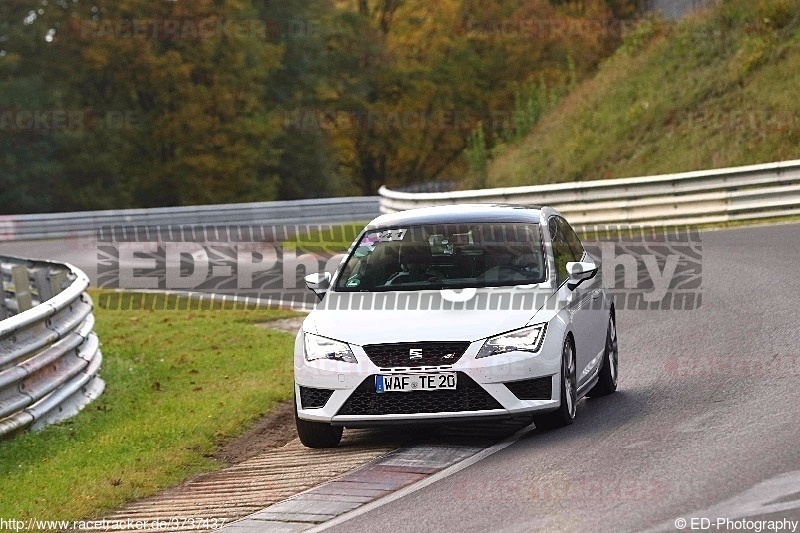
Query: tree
(307, 167)
(205, 134)
(194, 128)
(314, 98)
(30, 68)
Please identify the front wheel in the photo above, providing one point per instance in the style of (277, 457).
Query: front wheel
(607, 380)
(565, 414)
(317, 434)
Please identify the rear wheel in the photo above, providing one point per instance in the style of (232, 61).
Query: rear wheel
(607, 380)
(565, 413)
(317, 434)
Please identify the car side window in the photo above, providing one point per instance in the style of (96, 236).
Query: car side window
(572, 238)
(562, 253)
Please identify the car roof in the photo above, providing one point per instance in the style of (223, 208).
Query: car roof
(462, 213)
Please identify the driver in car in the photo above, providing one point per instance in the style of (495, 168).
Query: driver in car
(415, 259)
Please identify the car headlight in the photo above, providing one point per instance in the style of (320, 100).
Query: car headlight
(523, 340)
(317, 347)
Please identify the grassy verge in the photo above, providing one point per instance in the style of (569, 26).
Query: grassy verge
(715, 90)
(179, 383)
(335, 239)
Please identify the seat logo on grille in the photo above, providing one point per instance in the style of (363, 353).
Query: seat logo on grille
(415, 353)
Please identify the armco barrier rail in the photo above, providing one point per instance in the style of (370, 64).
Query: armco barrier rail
(85, 224)
(703, 197)
(49, 356)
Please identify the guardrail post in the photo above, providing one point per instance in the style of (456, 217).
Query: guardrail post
(22, 291)
(41, 279)
(57, 281)
(48, 283)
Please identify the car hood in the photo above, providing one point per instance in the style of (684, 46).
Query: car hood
(364, 318)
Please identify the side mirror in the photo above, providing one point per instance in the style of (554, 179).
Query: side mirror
(319, 283)
(580, 272)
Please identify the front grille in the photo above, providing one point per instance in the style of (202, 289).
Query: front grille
(468, 396)
(532, 389)
(399, 355)
(314, 398)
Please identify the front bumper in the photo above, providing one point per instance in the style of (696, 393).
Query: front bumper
(353, 401)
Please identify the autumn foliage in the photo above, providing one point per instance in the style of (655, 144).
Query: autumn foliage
(213, 101)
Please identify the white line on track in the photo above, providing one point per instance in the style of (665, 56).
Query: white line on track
(447, 472)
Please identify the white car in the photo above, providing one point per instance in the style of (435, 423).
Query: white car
(450, 313)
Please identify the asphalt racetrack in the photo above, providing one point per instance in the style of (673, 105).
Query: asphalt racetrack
(706, 422)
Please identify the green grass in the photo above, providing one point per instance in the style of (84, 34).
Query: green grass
(334, 239)
(715, 90)
(179, 383)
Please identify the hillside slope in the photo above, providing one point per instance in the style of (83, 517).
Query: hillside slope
(721, 88)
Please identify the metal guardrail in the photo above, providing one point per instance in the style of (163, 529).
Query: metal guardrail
(86, 224)
(703, 197)
(49, 355)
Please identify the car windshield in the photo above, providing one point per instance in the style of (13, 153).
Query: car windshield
(447, 256)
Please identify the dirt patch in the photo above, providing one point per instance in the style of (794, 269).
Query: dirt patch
(272, 430)
(288, 325)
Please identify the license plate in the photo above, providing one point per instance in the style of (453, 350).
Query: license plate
(415, 382)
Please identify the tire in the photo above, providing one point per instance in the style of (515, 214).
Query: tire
(609, 372)
(317, 434)
(565, 414)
